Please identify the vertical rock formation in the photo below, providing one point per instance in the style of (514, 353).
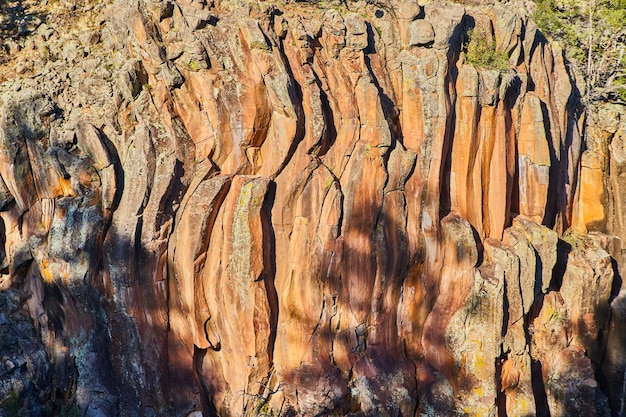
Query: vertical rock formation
(243, 208)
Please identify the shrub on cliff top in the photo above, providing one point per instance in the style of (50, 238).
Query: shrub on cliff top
(481, 51)
(593, 34)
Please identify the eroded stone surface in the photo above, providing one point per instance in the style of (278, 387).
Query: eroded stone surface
(243, 208)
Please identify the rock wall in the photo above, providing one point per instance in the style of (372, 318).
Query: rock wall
(251, 208)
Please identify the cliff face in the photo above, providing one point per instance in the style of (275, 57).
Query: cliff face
(262, 209)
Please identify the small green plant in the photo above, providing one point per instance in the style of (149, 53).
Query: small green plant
(481, 52)
(11, 405)
(266, 411)
(259, 45)
(557, 317)
(194, 66)
(576, 239)
(328, 182)
(379, 31)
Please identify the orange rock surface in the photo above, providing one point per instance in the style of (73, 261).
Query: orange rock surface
(235, 208)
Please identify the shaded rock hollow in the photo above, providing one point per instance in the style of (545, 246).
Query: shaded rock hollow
(249, 208)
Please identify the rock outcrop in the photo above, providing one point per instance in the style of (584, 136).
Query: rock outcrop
(243, 208)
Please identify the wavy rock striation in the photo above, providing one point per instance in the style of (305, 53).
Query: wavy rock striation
(245, 208)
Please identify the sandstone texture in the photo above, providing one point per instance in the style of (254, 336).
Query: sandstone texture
(260, 208)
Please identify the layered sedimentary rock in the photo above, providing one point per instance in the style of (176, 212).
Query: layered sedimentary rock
(248, 208)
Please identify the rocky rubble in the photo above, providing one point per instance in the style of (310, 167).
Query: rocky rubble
(245, 208)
